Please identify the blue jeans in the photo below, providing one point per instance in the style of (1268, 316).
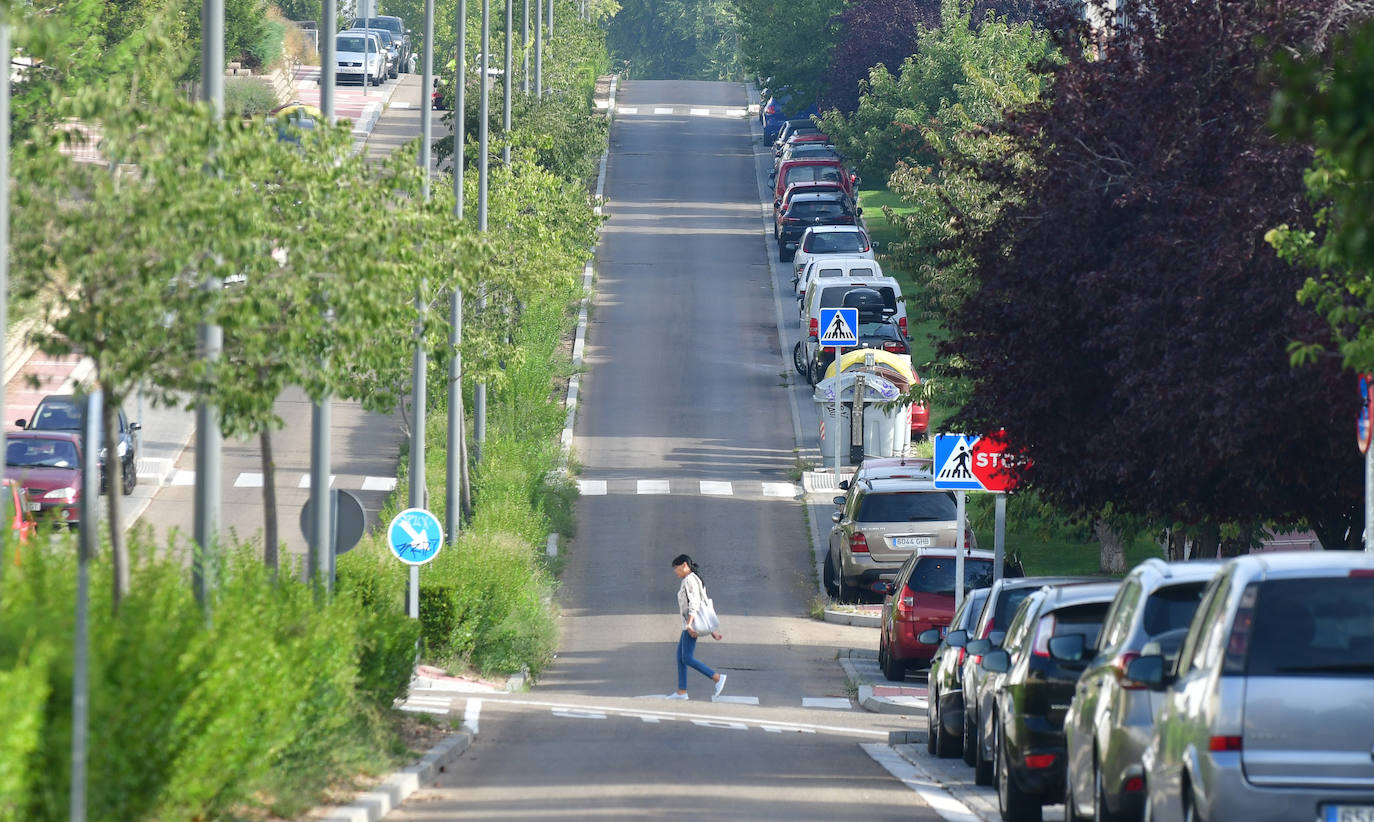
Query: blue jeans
(686, 646)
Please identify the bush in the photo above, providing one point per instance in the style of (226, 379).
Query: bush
(247, 97)
(266, 50)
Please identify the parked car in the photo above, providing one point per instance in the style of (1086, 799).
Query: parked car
(1109, 722)
(1006, 596)
(1266, 713)
(399, 33)
(806, 150)
(780, 108)
(47, 465)
(872, 468)
(1032, 679)
(880, 523)
(806, 187)
(359, 58)
(827, 284)
(66, 412)
(799, 136)
(390, 49)
(806, 210)
(877, 329)
(825, 171)
(919, 601)
(792, 128)
(834, 241)
(944, 685)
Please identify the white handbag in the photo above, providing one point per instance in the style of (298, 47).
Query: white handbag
(705, 621)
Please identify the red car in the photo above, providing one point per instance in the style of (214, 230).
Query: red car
(826, 171)
(47, 466)
(921, 598)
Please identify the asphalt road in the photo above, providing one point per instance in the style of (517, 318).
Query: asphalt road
(683, 401)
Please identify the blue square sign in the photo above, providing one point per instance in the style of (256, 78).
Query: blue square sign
(839, 327)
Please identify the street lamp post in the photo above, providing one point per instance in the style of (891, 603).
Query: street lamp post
(506, 84)
(479, 391)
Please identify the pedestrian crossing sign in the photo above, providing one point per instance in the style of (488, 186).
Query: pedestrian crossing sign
(954, 463)
(839, 327)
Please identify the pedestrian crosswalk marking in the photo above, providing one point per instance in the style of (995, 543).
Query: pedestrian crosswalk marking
(779, 489)
(379, 483)
(305, 481)
(717, 488)
(826, 702)
(591, 488)
(248, 480)
(651, 487)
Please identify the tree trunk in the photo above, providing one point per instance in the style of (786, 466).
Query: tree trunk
(114, 480)
(1178, 544)
(1113, 557)
(271, 543)
(1208, 542)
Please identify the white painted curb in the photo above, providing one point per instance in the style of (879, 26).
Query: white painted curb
(371, 806)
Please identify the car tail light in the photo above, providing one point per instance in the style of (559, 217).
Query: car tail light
(1123, 662)
(906, 603)
(858, 544)
(960, 663)
(894, 347)
(814, 328)
(1239, 642)
(1039, 761)
(1135, 784)
(1044, 631)
(1362, 573)
(1220, 744)
(772, 109)
(901, 322)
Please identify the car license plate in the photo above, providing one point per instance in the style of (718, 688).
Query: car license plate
(911, 542)
(1349, 813)
(34, 506)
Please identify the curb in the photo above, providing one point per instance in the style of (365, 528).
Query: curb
(861, 620)
(371, 806)
(867, 699)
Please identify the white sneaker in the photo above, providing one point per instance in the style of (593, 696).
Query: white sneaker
(720, 686)
(675, 695)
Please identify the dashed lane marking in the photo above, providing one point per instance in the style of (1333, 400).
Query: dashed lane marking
(662, 110)
(736, 700)
(710, 488)
(305, 481)
(379, 483)
(183, 478)
(700, 112)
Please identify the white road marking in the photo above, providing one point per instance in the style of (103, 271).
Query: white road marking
(774, 729)
(379, 483)
(183, 478)
(427, 705)
(663, 111)
(305, 481)
(627, 109)
(591, 488)
(715, 487)
(638, 713)
(737, 700)
(401, 104)
(826, 702)
(930, 791)
(651, 487)
(248, 479)
(577, 713)
(734, 112)
(701, 112)
(471, 715)
(717, 723)
(779, 489)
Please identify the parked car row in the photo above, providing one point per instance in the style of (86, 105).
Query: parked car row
(1202, 690)
(373, 50)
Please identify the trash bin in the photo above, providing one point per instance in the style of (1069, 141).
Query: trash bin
(887, 430)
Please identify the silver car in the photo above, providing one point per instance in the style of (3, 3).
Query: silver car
(1110, 719)
(1267, 713)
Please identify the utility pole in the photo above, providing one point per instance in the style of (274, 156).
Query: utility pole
(209, 342)
(479, 391)
(525, 50)
(4, 213)
(453, 468)
(81, 652)
(319, 556)
(506, 83)
(538, 48)
(550, 19)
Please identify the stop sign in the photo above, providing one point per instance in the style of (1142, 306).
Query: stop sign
(994, 466)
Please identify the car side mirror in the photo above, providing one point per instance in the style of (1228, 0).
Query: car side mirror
(997, 661)
(957, 639)
(844, 485)
(1147, 671)
(19, 423)
(978, 647)
(930, 636)
(859, 212)
(838, 500)
(873, 245)
(885, 587)
(836, 517)
(135, 426)
(1069, 648)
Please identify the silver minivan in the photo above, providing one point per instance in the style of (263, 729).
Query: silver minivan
(1269, 710)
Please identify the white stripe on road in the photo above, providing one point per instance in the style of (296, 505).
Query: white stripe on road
(627, 110)
(929, 790)
(669, 715)
(737, 700)
(379, 483)
(779, 489)
(826, 702)
(663, 111)
(713, 487)
(248, 479)
(701, 112)
(183, 478)
(734, 112)
(471, 714)
(305, 481)
(651, 487)
(591, 488)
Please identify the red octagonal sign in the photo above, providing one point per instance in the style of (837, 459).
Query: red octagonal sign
(994, 466)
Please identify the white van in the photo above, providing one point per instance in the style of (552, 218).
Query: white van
(832, 240)
(359, 58)
(828, 292)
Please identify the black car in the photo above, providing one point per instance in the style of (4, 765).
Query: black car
(398, 31)
(1032, 680)
(66, 412)
(991, 625)
(807, 210)
(945, 690)
(877, 329)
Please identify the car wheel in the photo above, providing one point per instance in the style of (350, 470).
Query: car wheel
(786, 254)
(797, 361)
(932, 722)
(128, 478)
(970, 738)
(814, 372)
(894, 669)
(848, 593)
(1016, 806)
(832, 588)
(946, 743)
(782, 252)
(1101, 813)
(1071, 813)
(1190, 812)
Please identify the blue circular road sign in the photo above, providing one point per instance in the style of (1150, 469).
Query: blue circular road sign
(415, 536)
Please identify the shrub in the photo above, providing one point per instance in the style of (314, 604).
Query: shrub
(247, 97)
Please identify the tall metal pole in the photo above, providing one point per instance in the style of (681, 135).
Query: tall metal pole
(426, 126)
(86, 550)
(460, 111)
(550, 19)
(209, 341)
(538, 48)
(1369, 498)
(506, 84)
(525, 50)
(320, 553)
(479, 391)
(999, 535)
(453, 468)
(4, 212)
(959, 516)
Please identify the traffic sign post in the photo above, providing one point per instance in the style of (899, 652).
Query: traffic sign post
(415, 537)
(1365, 431)
(839, 330)
(963, 464)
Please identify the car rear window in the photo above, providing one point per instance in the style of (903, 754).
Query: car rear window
(817, 209)
(1171, 607)
(836, 242)
(1081, 619)
(908, 506)
(356, 45)
(1313, 627)
(936, 575)
(833, 296)
(1007, 604)
(802, 174)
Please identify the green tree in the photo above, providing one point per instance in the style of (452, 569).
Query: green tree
(676, 39)
(788, 42)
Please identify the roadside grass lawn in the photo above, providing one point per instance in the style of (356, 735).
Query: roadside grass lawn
(1046, 547)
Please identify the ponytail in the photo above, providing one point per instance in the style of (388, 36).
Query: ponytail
(682, 559)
